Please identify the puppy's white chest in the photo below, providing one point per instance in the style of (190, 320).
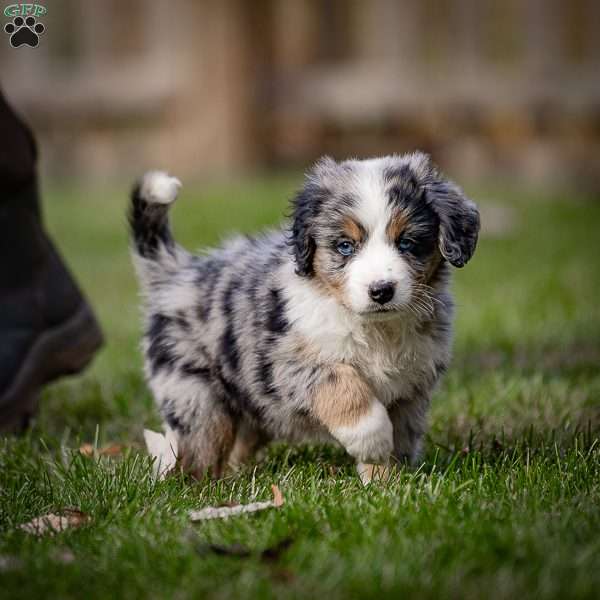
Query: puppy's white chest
(395, 366)
(394, 357)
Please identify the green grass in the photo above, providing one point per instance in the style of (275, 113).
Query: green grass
(505, 505)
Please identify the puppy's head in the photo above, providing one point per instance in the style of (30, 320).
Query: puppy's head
(374, 232)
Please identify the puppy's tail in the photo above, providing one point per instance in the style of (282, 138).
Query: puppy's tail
(154, 248)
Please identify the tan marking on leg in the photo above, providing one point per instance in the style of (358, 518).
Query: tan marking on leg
(206, 452)
(343, 398)
(247, 442)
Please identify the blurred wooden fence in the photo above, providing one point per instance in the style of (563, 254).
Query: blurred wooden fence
(491, 88)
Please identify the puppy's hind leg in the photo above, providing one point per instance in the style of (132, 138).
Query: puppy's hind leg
(206, 434)
(206, 448)
(248, 440)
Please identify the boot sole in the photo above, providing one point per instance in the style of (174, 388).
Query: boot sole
(63, 350)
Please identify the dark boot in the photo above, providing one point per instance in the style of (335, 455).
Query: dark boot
(47, 329)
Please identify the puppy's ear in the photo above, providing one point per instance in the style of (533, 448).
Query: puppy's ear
(459, 218)
(302, 240)
(305, 208)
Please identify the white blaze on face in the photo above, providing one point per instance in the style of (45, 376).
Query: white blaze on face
(377, 259)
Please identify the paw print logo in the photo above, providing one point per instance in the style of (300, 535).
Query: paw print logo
(24, 32)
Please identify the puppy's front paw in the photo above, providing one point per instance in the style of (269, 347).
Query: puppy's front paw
(369, 473)
(371, 438)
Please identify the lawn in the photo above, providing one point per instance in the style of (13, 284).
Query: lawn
(505, 505)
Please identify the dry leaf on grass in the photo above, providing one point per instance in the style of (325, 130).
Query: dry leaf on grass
(163, 448)
(223, 512)
(55, 523)
(277, 496)
(112, 450)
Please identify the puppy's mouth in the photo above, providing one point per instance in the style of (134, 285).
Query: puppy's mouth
(381, 313)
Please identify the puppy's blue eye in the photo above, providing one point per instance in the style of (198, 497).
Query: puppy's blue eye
(345, 248)
(404, 245)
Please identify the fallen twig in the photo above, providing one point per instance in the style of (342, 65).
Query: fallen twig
(224, 512)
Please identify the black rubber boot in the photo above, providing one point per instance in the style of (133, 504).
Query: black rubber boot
(47, 328)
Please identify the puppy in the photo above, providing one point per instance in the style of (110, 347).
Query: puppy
(336, 327)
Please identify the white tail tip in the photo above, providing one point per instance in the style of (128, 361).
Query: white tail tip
(158, 187)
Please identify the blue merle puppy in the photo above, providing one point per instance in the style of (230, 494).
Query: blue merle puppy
(336, 327)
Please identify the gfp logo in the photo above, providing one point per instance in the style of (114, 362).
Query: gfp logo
(25, 29)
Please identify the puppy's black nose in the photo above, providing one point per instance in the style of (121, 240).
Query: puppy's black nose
(381, 291)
